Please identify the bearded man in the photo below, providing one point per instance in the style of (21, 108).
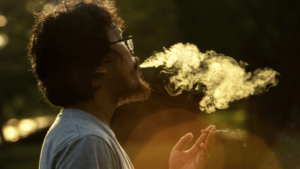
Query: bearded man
(84, 66)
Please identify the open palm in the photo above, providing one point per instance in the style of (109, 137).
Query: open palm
(197, 156)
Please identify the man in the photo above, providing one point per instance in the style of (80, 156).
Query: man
(84, 66)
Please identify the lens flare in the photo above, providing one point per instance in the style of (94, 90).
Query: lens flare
(221, 78)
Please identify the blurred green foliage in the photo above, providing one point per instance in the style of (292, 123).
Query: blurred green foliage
(260, 32)
(18, 86)
(230, 27)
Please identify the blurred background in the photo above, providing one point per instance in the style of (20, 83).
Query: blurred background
(263, 33)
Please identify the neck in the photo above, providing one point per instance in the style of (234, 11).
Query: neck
(102, 106)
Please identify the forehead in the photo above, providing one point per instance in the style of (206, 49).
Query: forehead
(114, 34)
(115, 30)
(120, 31)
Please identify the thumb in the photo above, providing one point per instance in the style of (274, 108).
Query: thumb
(183, 142)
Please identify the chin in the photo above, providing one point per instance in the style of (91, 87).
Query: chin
(139, 93)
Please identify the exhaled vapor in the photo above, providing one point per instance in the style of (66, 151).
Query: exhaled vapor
(221, 78)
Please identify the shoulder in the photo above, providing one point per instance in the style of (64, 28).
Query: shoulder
(86, 142)
(74, 133)
(87, 151)
(71, 126)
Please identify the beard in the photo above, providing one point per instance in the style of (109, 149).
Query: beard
(135, 94)
(127, 92)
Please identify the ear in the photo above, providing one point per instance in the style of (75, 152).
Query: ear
(101, 70)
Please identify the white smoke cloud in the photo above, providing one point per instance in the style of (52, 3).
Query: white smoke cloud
(221, 78)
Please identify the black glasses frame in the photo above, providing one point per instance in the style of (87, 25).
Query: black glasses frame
(125, 40)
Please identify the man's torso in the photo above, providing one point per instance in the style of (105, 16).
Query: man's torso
(78, 139)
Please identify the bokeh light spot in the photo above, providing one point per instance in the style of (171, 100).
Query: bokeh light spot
(3, 40)
(43, 122)
(3, 21)
(26, 127)
(10, 133)
(12, 122)
(48, 7)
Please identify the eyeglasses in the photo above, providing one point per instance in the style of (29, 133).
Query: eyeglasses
(128, 42)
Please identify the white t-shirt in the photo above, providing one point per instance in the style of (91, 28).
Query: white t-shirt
(79, 140)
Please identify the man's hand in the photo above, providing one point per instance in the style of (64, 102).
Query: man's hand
(197, 156)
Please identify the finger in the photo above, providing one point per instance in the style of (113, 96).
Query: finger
(183, 142)
(204, 131)
(210, 127)
(204, 154)
(203, 136)
(201, 139)
(210, 139)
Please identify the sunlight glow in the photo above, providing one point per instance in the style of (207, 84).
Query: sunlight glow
(26, 127)
(3, 21)
(15, 129)
(12, 122)
(10, 133)
(3, 40)
(48, 7)
(43, 122)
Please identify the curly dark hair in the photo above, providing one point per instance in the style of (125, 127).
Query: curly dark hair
(67, 43)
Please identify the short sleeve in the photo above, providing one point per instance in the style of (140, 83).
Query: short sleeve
(87, 152)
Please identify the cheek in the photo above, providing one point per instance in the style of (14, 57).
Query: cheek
(124, 69)
(127, 64)
(123, 65)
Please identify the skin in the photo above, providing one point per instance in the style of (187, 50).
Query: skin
(106, 97)
(197, 156)
(120, 76)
